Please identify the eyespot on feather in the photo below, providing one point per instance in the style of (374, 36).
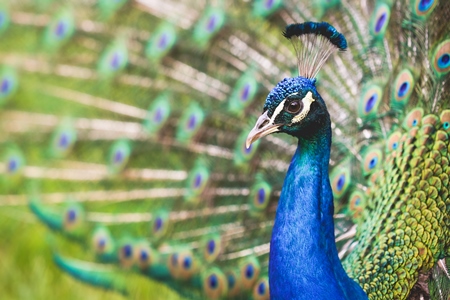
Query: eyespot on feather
(63, 139)
(380, 20)
(102, 241)
(212, 247)
(113, 59)
(445, 120)
(159, 224)
(393, 141)
(59, 29)
(196, 182)
(242, 155)
(188, 265)
(260, 196)
(265, 8)
(413, 118)
(214, 283)
(144, 255)
(440, 60)
(211, 22)
(161, 42)
(356, 203)
(423, 8)
(402, 88)
(173, 264)
(340, 179)
(249, 270)
(73, 217)
(370, 100)
(190, 122)
(126, 253)
(234, 282)
(372, 160)
(244, 92)
(261, 289)
(8, 83)
(119, 154)
(13, 160)
(157, 115)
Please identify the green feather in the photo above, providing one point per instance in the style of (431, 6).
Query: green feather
(260, 196)
(265, 8)
(370, 100)
(161, 42)
(94, 274)
(63, 139)
(214, 283)
(13, 161)
(158, 113)
(118, 156)
(59, 30)
(341, 179)
(190, 122)
(48, 215)
(402, 88)
(244, 92)
(103, 244)
(108, 8)
(8, 83)
(380, 20)
(242, 154)
(4, 18)
(441, 59)
(209, 24)
(423, 9)
(113, 59)
(196, 182)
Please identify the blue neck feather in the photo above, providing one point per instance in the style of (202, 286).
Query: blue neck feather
(303, 258)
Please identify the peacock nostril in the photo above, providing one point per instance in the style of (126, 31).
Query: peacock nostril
(263, 124)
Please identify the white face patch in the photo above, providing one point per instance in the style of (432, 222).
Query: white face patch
(277, 111)
(307, 100)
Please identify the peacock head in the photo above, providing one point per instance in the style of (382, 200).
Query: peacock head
(294, 107)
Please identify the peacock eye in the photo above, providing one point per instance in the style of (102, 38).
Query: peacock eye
(294, 107)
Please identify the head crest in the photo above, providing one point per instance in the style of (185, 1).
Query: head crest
(313, 44)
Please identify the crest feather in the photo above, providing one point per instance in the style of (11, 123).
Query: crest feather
(314, 43)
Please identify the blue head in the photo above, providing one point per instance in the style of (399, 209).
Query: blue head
(294, 107)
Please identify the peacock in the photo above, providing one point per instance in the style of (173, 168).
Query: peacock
(131, 157)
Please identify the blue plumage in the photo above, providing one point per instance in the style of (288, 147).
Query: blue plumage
(303, 254)
(286, 87)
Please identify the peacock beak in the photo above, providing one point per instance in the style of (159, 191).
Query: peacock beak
(262, 128)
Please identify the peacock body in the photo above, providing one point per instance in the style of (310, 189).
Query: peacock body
(124, 126)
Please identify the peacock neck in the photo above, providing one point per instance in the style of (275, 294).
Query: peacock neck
(303, 256)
